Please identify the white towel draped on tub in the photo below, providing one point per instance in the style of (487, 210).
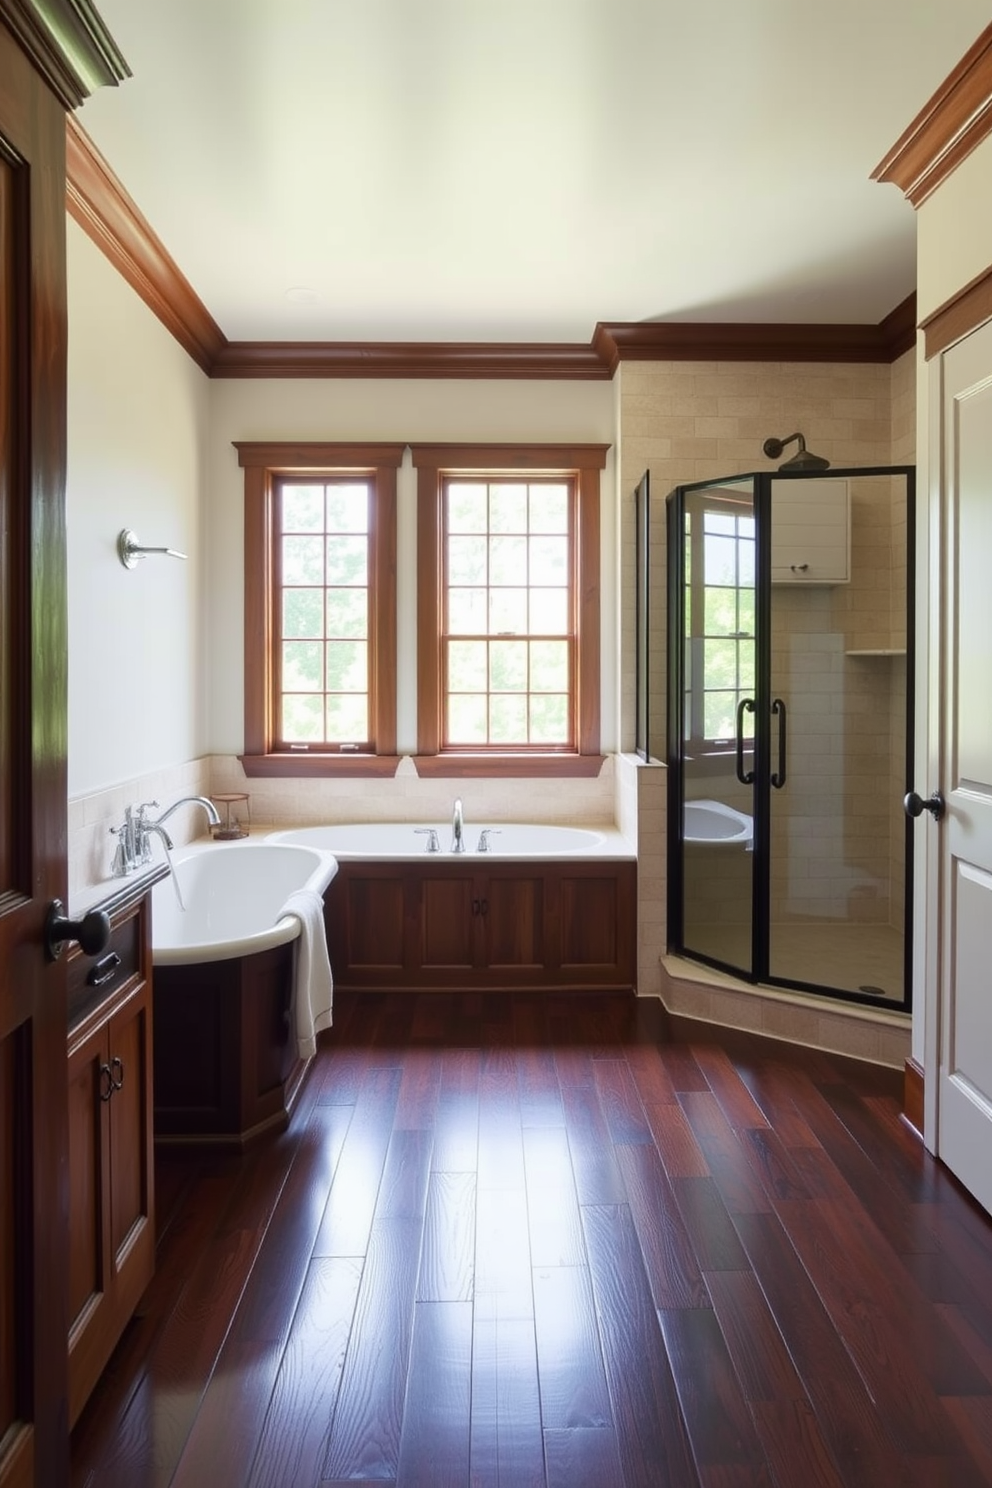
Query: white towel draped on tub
(313, 987)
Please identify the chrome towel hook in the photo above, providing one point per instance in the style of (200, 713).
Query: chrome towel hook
(129, 550)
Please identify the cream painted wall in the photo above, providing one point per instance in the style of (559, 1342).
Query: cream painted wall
(423, 410)
(954, 231)
(137, 438)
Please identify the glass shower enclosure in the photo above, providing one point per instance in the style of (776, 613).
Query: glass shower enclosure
(789, 736)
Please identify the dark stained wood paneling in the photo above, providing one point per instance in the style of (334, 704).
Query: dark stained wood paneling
(9, 1278)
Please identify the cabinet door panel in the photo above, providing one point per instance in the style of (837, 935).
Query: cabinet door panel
(88, 1173)
(448, 925)
(513, 921)
(130, 1125)
(374, 921)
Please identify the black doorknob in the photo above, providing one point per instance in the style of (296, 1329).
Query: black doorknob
(914, 805)
(92, 931)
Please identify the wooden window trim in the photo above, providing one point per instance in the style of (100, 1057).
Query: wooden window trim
(263, 464)
(581, 462)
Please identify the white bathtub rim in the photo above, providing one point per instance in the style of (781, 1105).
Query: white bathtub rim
(285, 929)
(605, 842)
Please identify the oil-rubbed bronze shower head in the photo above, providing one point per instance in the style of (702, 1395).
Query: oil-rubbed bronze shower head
(803, 459)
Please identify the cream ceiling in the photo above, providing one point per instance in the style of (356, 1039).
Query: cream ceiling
(517, 170)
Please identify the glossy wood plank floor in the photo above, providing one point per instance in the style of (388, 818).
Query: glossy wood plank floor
(555, 1243)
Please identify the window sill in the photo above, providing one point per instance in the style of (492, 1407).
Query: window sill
(319, 766)
(508, 766)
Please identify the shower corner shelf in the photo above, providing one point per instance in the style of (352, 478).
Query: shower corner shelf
(878, 651)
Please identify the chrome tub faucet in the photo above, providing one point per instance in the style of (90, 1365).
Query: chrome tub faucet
(457, 827)
(133, 845)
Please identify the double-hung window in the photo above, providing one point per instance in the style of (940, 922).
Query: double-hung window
(720, 623)
(508, 608)
(320, 608)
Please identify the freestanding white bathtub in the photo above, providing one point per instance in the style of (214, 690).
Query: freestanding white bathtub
(227, 1067)
(233, 892)
(504, 840)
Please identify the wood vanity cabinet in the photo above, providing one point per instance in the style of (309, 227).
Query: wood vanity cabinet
(467, 926)
(111, 1175)
(811, 532)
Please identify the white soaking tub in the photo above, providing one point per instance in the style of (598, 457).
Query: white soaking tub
(504, 840)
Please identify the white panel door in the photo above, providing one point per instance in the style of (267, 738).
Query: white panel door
(964, 1115)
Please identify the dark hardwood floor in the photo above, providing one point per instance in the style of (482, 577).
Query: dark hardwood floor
(554, 1243)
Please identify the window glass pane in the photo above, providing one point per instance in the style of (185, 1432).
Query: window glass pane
(508, 507)
(548, 560)
(347, 560)
(347, 612)
(719, 522)
(549, 611)
(508, 612)
(745, 558)
(467, 666)
(466, 506)
(467, 560)
(721, 611)
(720, 560)
(720, 722)
(467, 611)
(507, 560)
(746, 611)
(348, 718)
(348, 508)
(467, 718)
(745, 526)
(303, 719)
(508, 666)
(347, 666)
(549, 666)
(720, 665)
(549, 507)
(508, 718)
(301, 666)
(549, 719)
(745, 666)
(302, 612)
(303, 560)
(302, 508)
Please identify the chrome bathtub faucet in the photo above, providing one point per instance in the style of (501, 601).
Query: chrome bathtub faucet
(133, 845)
(457, 827)
(432, 843)
(484, 837)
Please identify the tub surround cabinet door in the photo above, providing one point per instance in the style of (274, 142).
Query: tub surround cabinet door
(111, 1176)
(502, 925)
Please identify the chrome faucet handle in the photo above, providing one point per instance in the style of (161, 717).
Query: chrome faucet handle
(432, 843)
(484, 837)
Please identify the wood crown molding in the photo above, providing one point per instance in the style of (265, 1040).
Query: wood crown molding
(105, 212)
(410, 359)
(963, 313)
(661, 341)
(946, 130)
(68, 44)
(316, 455)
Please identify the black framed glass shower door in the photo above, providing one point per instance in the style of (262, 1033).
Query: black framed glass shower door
(789, 737)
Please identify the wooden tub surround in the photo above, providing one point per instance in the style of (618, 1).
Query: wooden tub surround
(472, 924)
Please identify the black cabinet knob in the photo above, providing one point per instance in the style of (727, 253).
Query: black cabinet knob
(92, 931)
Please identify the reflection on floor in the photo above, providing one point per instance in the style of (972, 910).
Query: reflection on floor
(855, 958)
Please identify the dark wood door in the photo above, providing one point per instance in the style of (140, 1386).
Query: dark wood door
(33, 1096)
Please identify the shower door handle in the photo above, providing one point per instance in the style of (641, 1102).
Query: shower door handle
(746, 705)
(778, 778)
